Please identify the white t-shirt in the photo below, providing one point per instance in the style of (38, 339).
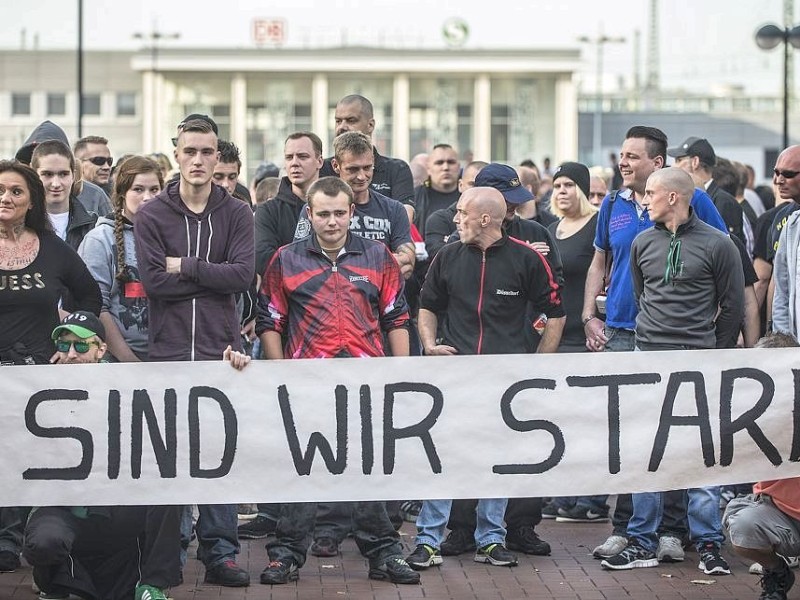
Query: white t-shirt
(59, 222)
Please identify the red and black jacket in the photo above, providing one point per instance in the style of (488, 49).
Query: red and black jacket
(326, 309)
(481, 296)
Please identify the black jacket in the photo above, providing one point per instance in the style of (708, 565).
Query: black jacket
(275, 222)
(729, 210)
(80, 223)
(484, 295)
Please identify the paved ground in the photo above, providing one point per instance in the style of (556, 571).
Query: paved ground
(569, 573)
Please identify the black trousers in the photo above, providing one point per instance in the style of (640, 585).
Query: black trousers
(104, 556)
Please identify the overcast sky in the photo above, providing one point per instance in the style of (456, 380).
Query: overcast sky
(703, 43)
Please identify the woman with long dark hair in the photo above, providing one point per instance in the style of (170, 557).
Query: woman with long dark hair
(37, 271)
(109, 252)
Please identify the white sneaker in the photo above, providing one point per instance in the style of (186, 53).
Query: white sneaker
(670, 549)
(756, 569)
(611, 547)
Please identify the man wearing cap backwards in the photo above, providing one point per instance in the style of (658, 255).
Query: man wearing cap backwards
(194, 244)
(696, 156)
(689, 286)
(621, 217)
(482, 286)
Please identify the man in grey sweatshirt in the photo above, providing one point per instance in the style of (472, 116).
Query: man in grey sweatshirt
(685, 273)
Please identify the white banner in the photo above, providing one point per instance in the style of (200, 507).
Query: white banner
(397, 428)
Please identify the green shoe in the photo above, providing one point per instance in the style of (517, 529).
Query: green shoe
(149, 592)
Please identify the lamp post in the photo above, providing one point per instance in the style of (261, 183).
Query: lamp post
(597, 122)
(767, 38)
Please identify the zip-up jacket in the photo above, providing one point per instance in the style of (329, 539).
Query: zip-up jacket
(193, 313)
(328, 308)
(483, 294)
(80, 223)
(680, 281)
(275, 222)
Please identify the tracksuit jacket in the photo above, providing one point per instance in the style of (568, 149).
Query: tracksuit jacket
(328, 308)
(484, 294)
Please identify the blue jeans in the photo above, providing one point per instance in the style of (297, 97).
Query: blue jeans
(705, 524)
(597, 504)
(620, 340)
(432, 521)
(217, 536)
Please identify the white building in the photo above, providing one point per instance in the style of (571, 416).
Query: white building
(503, 105)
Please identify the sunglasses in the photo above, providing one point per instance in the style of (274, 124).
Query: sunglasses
(80, 347)
(100, 160)
(786, 173)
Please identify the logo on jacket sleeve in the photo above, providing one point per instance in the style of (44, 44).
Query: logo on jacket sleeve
(500, 292)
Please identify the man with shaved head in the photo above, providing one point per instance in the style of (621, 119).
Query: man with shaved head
(689, 286)
(482, 286)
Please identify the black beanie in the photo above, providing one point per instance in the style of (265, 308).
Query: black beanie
(577, 172)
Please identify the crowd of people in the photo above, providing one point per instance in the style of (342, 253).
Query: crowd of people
(362, 255)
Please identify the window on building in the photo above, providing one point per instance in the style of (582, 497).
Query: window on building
(126, 104)
(56, 104)
(20, 104)
(91, 104)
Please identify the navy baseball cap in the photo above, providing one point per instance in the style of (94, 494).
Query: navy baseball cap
(505, 180)
(83, 324)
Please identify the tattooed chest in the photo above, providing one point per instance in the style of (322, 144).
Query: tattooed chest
(18, 256)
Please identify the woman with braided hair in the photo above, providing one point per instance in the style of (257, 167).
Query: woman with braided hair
(109, 252)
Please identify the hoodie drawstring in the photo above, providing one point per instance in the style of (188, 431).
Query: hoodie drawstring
(673, 260)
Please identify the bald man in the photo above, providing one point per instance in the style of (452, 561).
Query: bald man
(689, 287)
(482, 285)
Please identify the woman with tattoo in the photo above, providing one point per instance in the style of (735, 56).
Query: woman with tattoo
(37, 270)
(110, 254)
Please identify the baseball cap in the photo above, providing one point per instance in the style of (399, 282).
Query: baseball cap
(695, 146)
(83, 324)
(196, 117)
(505, 180)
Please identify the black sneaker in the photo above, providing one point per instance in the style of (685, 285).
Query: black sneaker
(325, 547)
(711, 563)
(227, 574)
(459, 541)
(577, 514)
(632, 557)
(525, 539)
(9, 561)
(257, 528)
(280, 571)
(424, 556)
(409, 510)
(395, 570)
(549, 511)
(776, 584)
(497, 555)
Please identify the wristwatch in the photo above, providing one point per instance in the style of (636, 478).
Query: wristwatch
(587, 319)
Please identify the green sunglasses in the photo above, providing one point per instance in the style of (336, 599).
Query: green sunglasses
(80, 347)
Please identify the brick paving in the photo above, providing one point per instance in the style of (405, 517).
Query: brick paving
(569, 573)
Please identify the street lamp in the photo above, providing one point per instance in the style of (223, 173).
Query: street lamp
(767, 38)
(597, 123)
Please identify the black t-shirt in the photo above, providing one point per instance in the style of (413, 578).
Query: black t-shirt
(768, 230)
(576, 252)
(29, 299)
